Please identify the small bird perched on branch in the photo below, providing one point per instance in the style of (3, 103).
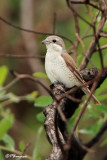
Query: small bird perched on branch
(60, 67)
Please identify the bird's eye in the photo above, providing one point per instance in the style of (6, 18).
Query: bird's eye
(54, 40)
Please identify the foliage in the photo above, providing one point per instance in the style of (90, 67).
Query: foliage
(13, 99)
(40, 117)
(1, 155)
(37, 145)
(43, 101)
(21, 146)
(40, 75)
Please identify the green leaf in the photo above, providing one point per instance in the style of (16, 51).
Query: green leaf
(32, 96)
(37, 145)
(40, 75)
(8, 140)
(40, 117)
(43, 101)
(1, 155)
(94, 115)
(85, 131)
(92, 129)
(101, 108)
(104, 143)
(21, 146)
(91, 113)
(14, 98)
(96, 112)
(3, 74)
(38, 158)
(5, 125)
(2, 94)
(102, 88)
(102, 97)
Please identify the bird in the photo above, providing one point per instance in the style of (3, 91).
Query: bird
(60, 66)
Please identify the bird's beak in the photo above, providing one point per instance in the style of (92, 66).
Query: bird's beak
(45, 42)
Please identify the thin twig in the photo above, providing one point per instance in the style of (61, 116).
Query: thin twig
(83, 48)
(75, 46)
(82, 43)
(32, 31)
(27, 76)
(71, 8)
(103, 34)
(24, 76)
(91, 3)
(20, 56)
(58, 107)
(9, 85)
(93, 43)
(101, 48)
(100, 54)
(68, 145)
(15, 152)
(97, 136)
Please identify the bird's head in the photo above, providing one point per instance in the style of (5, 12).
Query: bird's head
(54, 43)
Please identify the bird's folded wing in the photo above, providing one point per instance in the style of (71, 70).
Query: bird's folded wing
(72, 66)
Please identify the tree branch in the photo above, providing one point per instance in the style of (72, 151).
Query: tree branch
(24, 76)
(56, 127)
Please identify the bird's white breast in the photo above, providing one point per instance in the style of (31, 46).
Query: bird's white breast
(57, 70)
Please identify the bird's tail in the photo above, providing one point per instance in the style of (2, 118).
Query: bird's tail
(93, 98)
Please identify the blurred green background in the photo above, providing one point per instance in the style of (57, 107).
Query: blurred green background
(21, 106)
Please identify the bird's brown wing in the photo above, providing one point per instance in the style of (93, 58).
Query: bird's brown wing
(72, 66)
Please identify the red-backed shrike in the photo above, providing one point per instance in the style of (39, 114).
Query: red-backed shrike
(60, 67)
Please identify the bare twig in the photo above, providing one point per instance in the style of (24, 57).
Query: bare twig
(102, 34)
(58, 107)
(101, 48)
(27, 76)
(71, 8)
(68, 144)
(93, 43)
(97, 136)
(91, 3)
(32, 31)
(87, 36)
(100, 54)
(82, 43)
(9, 85)
(75, 46)
(83, 48)
(20, 56)
(24, 76)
